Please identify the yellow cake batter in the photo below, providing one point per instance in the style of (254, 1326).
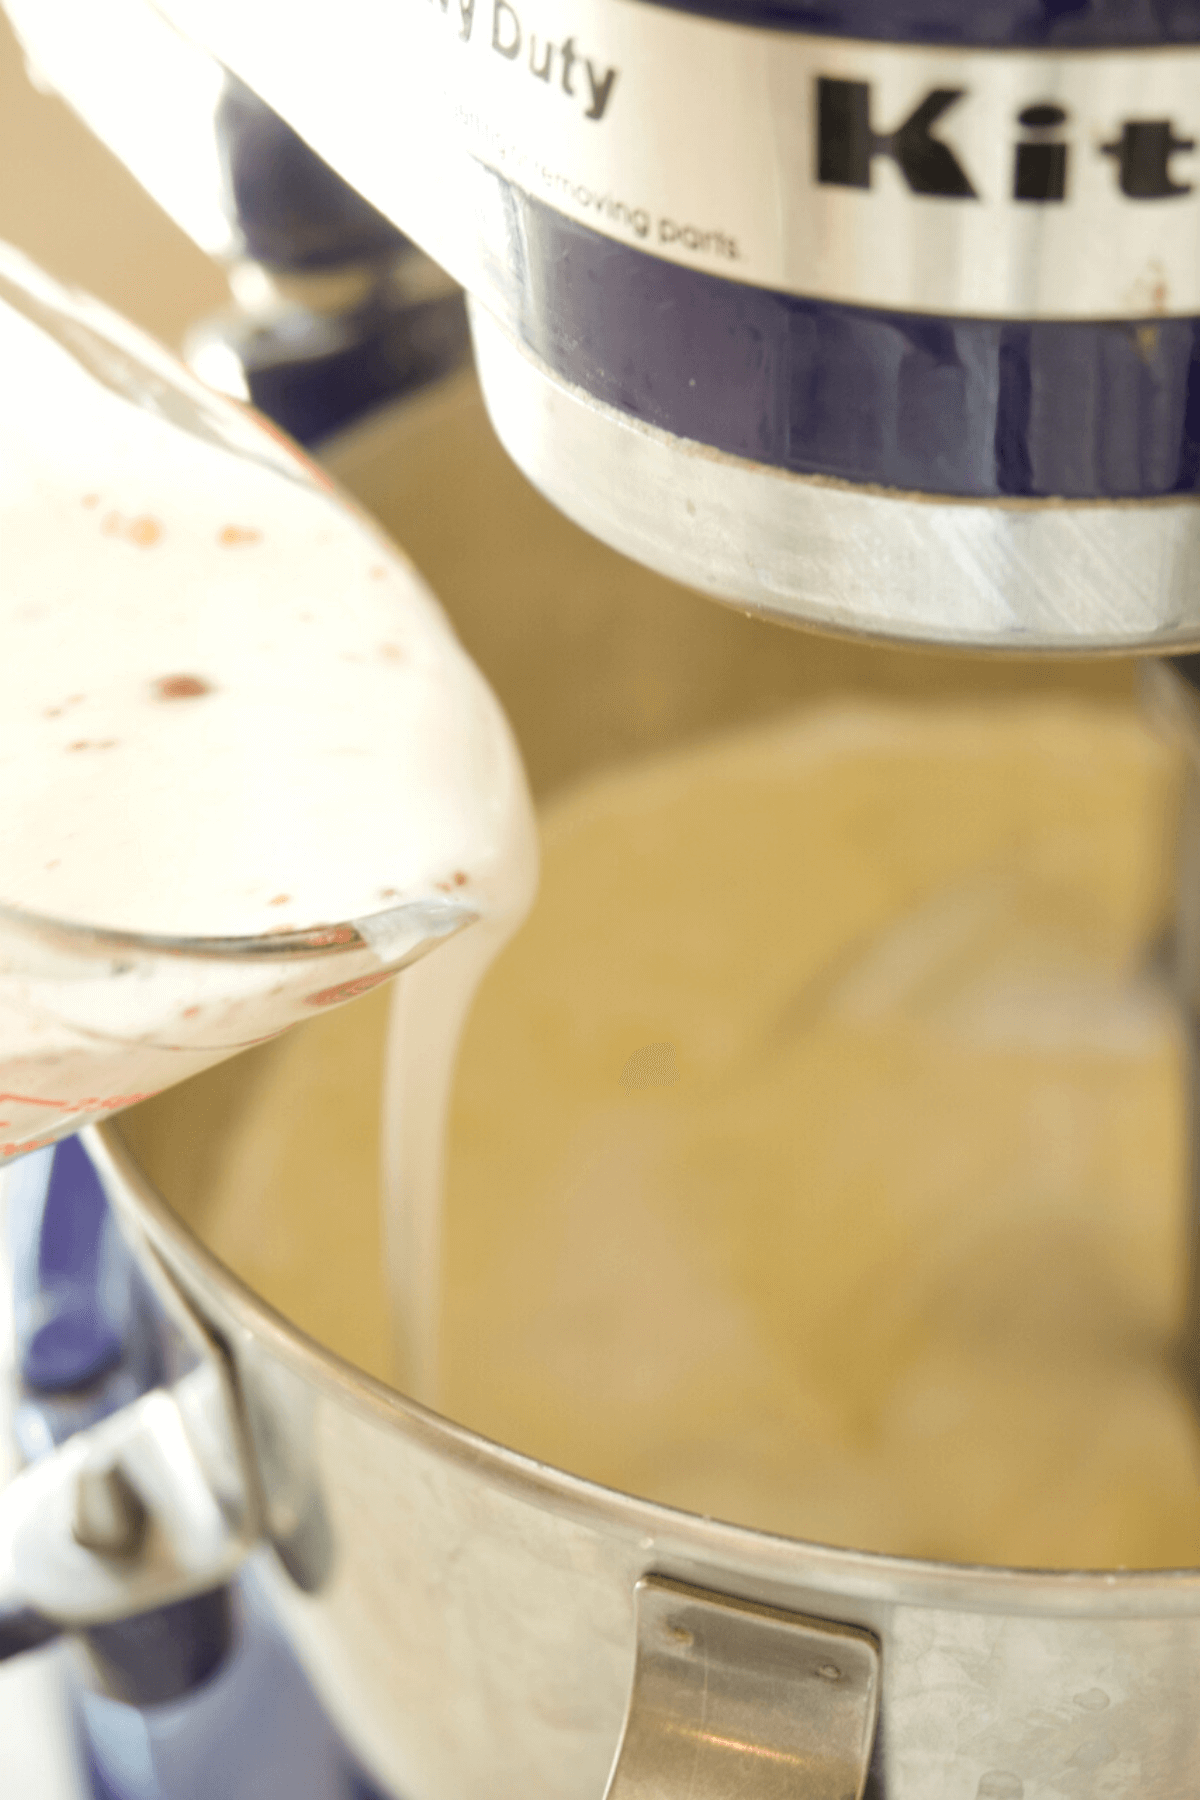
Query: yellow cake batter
(817, 1149)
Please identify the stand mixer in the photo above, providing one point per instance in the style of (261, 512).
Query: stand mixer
(888, 330)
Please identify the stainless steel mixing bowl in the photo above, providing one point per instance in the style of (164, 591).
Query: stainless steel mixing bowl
(482, 1624)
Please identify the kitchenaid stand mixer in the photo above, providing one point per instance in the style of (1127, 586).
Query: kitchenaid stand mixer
(907, 350)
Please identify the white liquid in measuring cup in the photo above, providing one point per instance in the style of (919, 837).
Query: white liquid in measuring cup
(247, 771)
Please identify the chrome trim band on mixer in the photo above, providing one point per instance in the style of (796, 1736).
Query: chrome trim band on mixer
(979, 408)
(1016, 577)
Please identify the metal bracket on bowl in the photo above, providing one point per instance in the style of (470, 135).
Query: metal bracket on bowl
(733, 1698)
(153, 1504)
(140, 1510)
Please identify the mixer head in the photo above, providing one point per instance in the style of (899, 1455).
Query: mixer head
(886, 330)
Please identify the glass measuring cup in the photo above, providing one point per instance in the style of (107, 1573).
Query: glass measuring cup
(247, 770)
(92, 1021)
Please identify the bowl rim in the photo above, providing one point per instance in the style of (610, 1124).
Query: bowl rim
(741, 1554)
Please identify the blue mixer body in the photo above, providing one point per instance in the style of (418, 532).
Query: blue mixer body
(203, 1697)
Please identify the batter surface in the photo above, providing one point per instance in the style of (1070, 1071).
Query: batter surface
(817, 1150)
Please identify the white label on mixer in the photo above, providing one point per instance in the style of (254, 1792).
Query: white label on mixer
(1009, 183)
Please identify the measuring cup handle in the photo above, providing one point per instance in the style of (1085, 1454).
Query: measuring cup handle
(730, 1697)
